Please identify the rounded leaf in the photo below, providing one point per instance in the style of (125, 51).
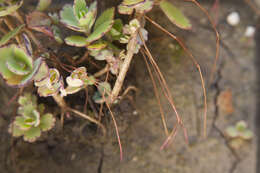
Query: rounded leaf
(47, 122)
(175, 15)
(77, 41)
(32, 134)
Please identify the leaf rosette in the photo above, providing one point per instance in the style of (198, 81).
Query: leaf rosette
(78, 80)
(81, 18)
(32, 120)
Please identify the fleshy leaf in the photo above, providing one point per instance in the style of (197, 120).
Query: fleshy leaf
(20, 121)
(8, 10)
(241, 126)
(122, 9)
(32, 134)
(175, 15)
(97, 46)
(89, 18)
(144, 8)
(68, 19)
(247, 135)
(102, 25)
(80, 8)
(47, 122)
(232, 132)
(42, 73)
(12, 57)
(72, 90)
(15, 130)
(132, 2)
(10, 35)
(116, 30)
(77, 41)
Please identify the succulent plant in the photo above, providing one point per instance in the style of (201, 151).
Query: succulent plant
(78, 80)
(81, 18)
(43, 5)
(32, 120)
(17, 66)
(103, 92)
(240, 130)
(50, 84)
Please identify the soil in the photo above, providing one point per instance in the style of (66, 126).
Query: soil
(80, 147)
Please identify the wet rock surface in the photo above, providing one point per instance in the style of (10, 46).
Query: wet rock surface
(80, 149)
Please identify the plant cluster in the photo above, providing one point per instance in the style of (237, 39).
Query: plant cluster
(103, 37)
(31, 120)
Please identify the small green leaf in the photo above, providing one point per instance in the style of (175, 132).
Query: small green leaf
(241, 126)
(20, 121)
(175, 15)
(77, 41)
(132, 2)
(144, 8)
(80, 8)
(42, 73)
(47, 122)
(10, 35)
(68, 19)
(89, 18)
(247, 135)
(15, 130)
(97, 46)
(122, 9)
(102, 25)
(43, 5)
(72, 90)
(232, 132)
(32, 134)
(8, 10)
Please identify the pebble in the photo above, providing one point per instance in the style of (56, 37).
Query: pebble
(250, 31)
(233, 18)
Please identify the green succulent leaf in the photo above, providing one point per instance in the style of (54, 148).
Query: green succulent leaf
(241, 126)
(15, 130)
(69, 20)
(89, 18)
(8, 10)
(175, 15)
(116, 30)
(144, 8)
(14, 62)
(32, 134)
(247, 135)
(232, 132)
(10, 35)
(102, 25)
(99, 45)
(77, 41)
(80, 8)
(72, 90)
(43, 5)
(122, 9)
(42, 73)
(20, 121)
(47, 122)
(132, 2)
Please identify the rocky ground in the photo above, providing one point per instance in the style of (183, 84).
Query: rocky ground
(231, 97)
